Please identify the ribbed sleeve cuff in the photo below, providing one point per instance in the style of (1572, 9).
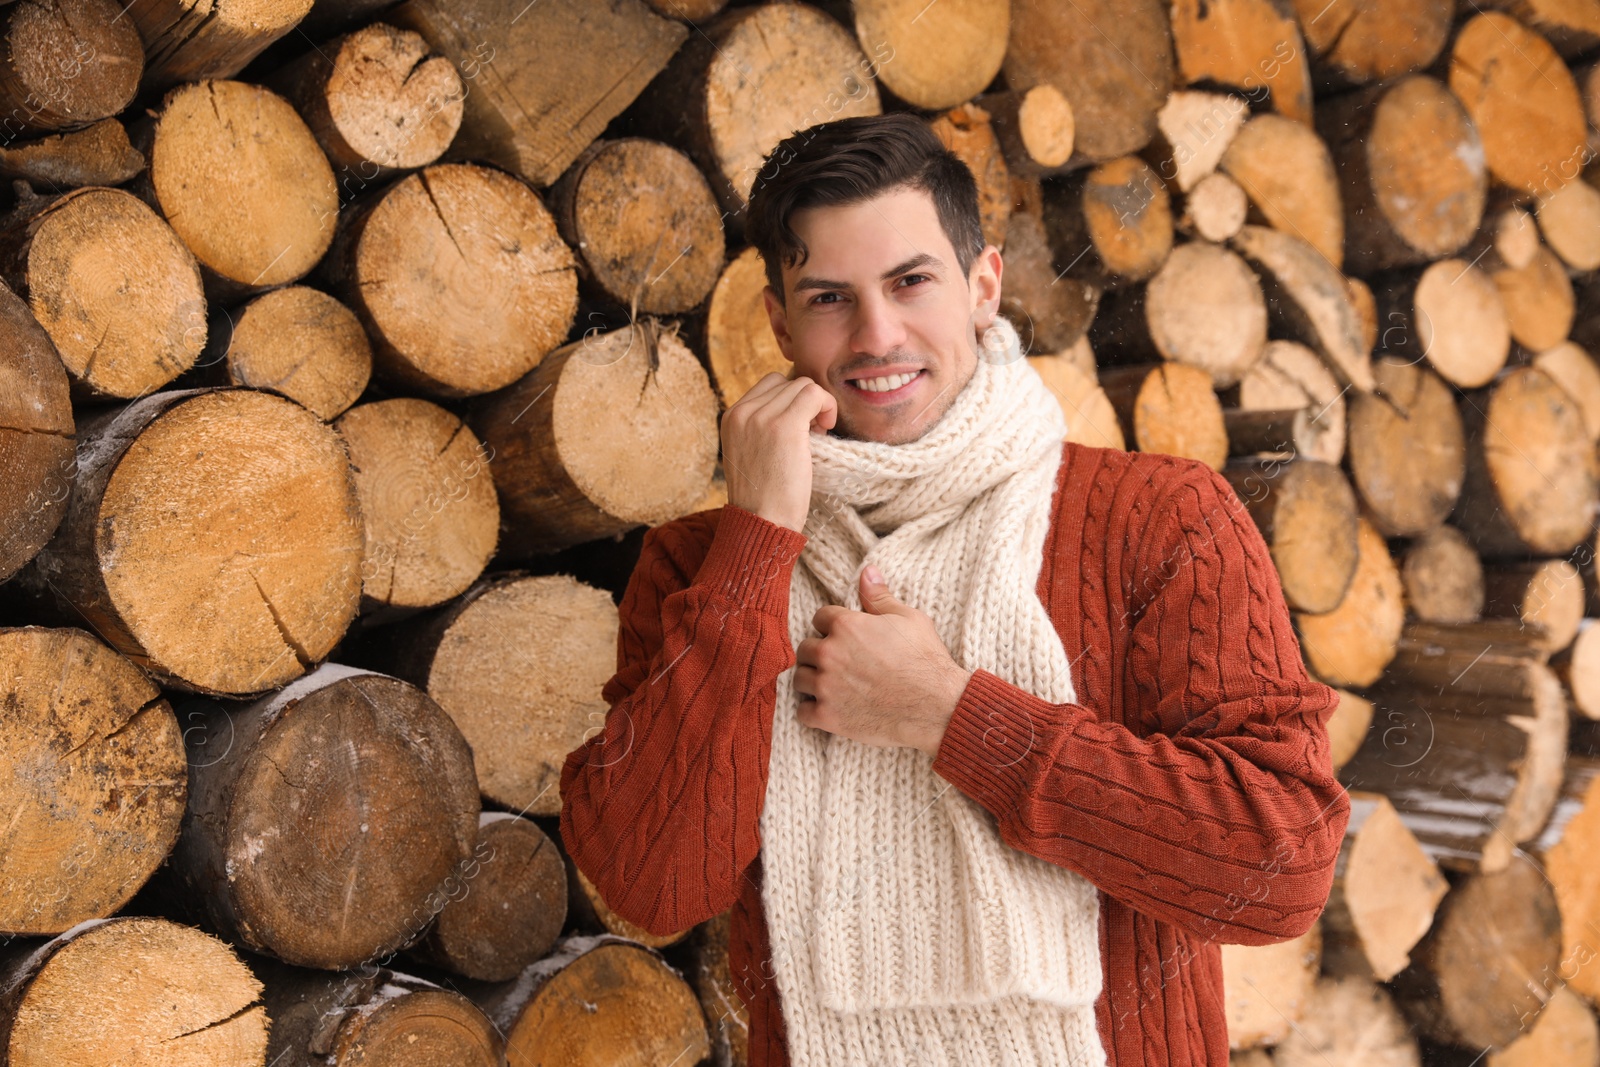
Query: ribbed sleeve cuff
(991, 741)
(751, 560)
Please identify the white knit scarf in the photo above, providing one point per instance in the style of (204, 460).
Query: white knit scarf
(904, 930)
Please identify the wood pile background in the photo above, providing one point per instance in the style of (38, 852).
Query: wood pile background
(347, 350)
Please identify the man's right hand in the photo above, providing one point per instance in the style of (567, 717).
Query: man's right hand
(766, 446)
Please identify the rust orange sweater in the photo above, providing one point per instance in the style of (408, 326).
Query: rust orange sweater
(1193, 787)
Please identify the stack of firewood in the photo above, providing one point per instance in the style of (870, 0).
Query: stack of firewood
(287, 689)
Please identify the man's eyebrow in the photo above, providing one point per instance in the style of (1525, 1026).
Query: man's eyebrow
(921, 259)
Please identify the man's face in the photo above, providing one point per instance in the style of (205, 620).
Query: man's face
(880, 297)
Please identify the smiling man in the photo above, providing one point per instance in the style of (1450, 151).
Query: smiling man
(987, 739)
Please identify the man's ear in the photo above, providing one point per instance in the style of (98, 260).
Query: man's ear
(779, 320)
(984, 282)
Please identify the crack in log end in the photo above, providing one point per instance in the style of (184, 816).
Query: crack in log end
(254, 1005)
(307, 660)
(94, 736)
(427, 188)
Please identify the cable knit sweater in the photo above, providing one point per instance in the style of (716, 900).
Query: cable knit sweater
(1193, 786)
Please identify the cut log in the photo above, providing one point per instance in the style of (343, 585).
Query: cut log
(1523, 101)
(1050, 312)
(1443, 577)
(1168, 407)
(1287, 171)
(591, 912)
(218, 152)
(1575, 371)
(1253, 45)
(1349, 1022)
(1407, 449)
(1411, 172)
(943, 55)
(1437, 655)
(1578, 667)
(1538, 299)
(1565, 849)
(519, 663)
(66, 64)
(1569, 218)
(688, 10)
(135, 991)
(1385, 890)
(100, 154)
(1547, 593)
(1091, 420)
(36, 436)
(1194, 129)
(1309, 300)
(566, 477)
(1267, 988)
(1347, 726)
(1112, 59)
(1262, 433)
(1306, 512)
(428, 503)
(1111, 225)
(1472, 767)
(378, 100)
(1564, 1032)
(1215, 208)
(711, 975)
(374, 1017)
(1465, 988)
(452, 308)
(269, 538)
(1035, 128)
(1450, 314)
(644, 222)
(1571, 26)
(511, 910)
(118, 292)
(744, 83)
(1366, 306)
(1532, 474)
(326, 820)
(297, 342)
(966, 131)
(1289, 376)
(83, 837)
(1352, 644)
(1356, 42)
(740, 346)
(191, 40)
(599, 1000)
(1203, 308)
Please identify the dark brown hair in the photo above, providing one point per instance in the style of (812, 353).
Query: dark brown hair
(849, 160)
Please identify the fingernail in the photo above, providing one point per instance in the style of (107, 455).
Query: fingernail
(874, 575)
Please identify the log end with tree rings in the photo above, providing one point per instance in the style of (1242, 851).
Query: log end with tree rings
(1539, 300)
(115, 288)
(328, 823)
(1533, 478)
(1352, 644)
(460, 277)
(36, 436)
(1045, 126)
(189, 41)
(1091, 420)
(1215, 208)
(1288, 173)
(1564, 1031)
(1503, 72)
(92, 771)
(301, 343)
(644, 223)
(944, 54)
(1407, 448)
(1544, 593)
(1306, 512)
(1566, 849)
(597, 1001)
(1248, 45)
(1443, 577)
(1111, 58)
(519, 663)
(1569, 218)
(1204, 308)
(237, 174)
(1349, 1020)
(134, 991)
(1168, 407)
(1289, 376)
(1267, 987)
(1360, 41)
(100, 154)
(1128, 215)
(68, 64)
(740, 346)
(572, 465)
(511, 909)
(428, 503)
(1195, 130)
(214, 537)
(1460, 323)
(967, 131)
(1578, 666)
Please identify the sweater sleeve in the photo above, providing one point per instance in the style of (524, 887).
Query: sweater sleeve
(1221, 815)
(660, 809)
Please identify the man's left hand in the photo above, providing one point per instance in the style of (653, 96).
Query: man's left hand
(881, 676)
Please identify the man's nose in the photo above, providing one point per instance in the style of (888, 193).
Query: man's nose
(879, 329)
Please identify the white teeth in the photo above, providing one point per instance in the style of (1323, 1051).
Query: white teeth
(883, 385)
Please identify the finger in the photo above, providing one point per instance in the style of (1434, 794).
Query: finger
(826, 616)
(806, 651)
(805, 682)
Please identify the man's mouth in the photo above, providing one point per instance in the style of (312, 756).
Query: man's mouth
(886, 386)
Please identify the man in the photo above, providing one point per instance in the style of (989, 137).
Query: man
(986, 739)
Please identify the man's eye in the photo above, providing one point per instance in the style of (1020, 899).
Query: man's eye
(818, 299)
(925, 277)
